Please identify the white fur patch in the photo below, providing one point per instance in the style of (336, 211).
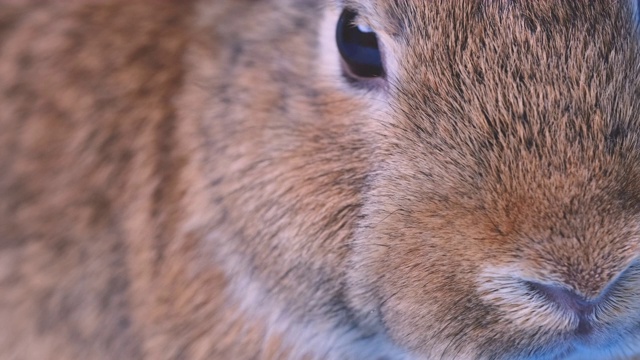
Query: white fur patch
(319, 338)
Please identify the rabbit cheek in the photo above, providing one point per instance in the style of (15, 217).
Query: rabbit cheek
(413, 280)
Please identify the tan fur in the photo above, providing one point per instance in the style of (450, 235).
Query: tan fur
(197, 180)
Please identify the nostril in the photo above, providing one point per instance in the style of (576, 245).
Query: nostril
(564, 298)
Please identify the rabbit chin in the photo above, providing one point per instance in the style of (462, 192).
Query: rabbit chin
(620, 348)
(614, 348)
(608, 347)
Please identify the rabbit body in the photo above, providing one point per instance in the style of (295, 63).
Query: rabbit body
(199, 180)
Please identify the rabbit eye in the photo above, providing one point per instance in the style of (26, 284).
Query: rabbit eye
(358, 46)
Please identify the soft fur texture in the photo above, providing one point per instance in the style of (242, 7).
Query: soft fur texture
(198, 180)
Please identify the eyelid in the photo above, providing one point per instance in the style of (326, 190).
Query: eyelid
(362, 23)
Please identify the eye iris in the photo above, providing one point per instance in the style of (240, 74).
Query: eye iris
(358, 46)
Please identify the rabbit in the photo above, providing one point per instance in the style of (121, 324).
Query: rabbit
(320, 179)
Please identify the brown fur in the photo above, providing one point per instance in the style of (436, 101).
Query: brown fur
(192, 181)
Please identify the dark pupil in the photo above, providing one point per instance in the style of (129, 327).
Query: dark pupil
(358, 49)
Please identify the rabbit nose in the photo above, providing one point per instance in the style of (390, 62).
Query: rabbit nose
(569, 301)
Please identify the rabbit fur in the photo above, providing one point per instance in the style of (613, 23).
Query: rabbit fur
(199, 180)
